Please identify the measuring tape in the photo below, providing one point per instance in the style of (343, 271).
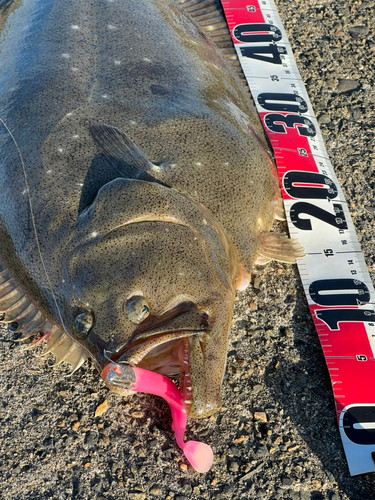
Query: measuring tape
(334, 274)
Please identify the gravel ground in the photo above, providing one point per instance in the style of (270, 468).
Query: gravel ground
(277, 436)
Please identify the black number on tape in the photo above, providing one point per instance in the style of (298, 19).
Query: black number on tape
(248, 33)
(332, 317)
(324, 292)
(290, 103)
(268, 53)
(293, 184)
(278, 123)
(361, 357)
(356, 422)
(302, 207)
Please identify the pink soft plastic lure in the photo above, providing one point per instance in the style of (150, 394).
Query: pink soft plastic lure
(199, 455)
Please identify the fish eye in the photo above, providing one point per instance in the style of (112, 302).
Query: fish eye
(138, 309)
(83, 323)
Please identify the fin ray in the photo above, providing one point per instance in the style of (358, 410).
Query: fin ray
(277, 246)
(15, 307)
(208, 14)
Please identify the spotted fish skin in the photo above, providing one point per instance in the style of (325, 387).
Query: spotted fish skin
(146, 70)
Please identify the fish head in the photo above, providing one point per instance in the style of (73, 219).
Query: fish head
(150, 285)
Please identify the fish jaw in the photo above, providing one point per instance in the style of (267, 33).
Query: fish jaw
(207, 362)
(194, 355)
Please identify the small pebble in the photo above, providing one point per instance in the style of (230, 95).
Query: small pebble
(257, 388)
(75, 426)
(233, 466)
(156, 490)
(286, 481)
(137, 496)
(357, 31)
(293, 448)
(256, 282)
(345, 85)
(137, 414)
(101, 409)
(241, 439)
(262, 451)
(260, 416)
(324, 119)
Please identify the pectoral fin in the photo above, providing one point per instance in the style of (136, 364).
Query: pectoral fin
(124, 155)
(277, 246)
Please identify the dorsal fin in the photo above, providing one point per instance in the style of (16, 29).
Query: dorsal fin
(210, 17)
(65, 349)
(20, 313)
(16, 309)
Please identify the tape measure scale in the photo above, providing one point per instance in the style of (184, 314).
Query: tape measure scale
(334, 274)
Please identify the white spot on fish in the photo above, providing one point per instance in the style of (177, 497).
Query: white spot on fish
(181, 274)
(62, 281)
(226, 163)
(49, 171)
(24, 191)
(75, 27)
(147, 60)
(68, 114)
(132, 122)
(117, 62)
(198, 164)
(155, 168)
(111, 27)
(65, 56)
(105, 96)
(204, 222)
(76, 136)
(74, 69)
(94, 234)
(60, 150)
(173, 165)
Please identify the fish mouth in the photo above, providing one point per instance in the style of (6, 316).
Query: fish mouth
(162, 345)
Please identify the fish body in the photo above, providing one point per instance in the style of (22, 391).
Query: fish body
(137, 192)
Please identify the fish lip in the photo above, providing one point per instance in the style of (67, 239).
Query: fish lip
(166, 324)
(163, 346)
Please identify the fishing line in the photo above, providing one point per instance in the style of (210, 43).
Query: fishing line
(33, 221)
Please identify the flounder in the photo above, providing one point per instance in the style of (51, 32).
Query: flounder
(137, 192)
